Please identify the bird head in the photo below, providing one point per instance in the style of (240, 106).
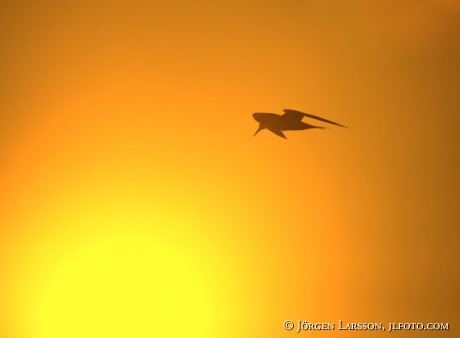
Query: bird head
(258, 117)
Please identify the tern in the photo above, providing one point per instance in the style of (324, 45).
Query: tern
(290, 120)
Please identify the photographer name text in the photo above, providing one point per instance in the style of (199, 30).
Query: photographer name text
(303, 325)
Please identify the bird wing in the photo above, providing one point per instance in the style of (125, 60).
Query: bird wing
(260, 128)
(277, 132)
(294, 114)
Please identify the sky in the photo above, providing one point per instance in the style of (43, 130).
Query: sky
(135, 201)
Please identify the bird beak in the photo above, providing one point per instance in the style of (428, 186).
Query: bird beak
(260, 128)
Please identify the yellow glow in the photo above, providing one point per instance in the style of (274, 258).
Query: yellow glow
(121, 285)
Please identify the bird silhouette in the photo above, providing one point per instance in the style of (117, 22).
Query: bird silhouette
(290, 120)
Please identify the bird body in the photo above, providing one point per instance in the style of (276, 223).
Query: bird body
(290, 120)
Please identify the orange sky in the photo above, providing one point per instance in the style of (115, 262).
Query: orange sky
(136, 203)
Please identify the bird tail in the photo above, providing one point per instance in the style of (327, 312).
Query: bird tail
(324, 120)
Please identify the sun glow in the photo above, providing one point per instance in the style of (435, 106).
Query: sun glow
(118, 286)
(116, 242)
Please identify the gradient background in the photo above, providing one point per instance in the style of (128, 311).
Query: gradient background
(136, 203)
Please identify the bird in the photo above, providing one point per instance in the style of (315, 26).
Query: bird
(290, 120)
